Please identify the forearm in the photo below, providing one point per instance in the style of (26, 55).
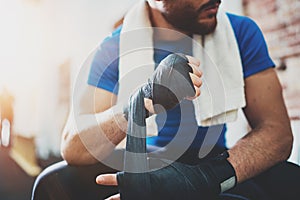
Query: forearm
(260, 149)
(89, 138)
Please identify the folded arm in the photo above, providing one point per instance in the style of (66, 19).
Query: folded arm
(268, 143)
(270, 140)
(94, 127)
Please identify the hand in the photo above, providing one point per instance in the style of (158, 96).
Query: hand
(109, 180)
(179, 181)
(176, 78)
(195, 76)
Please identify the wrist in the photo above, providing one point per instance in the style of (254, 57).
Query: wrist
(148, 107)
(224, 173)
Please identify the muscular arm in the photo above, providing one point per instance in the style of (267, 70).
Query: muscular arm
(94, 127)
(270, 140)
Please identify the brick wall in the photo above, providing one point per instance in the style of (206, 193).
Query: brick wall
(280, 23)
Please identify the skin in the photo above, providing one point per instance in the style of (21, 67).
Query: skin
(269, 141)
(189, 16)
(86, 140)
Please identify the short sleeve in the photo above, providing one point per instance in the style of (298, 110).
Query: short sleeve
(252, 45)
(104, 71)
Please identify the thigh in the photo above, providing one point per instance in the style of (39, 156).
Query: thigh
(227, 196)
(246, 191)
(62, 181)
(281, 181)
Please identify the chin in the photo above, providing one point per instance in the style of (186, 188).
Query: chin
(205, 27)
(194, 24)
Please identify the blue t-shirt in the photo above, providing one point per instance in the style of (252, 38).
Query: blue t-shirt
(180, 121)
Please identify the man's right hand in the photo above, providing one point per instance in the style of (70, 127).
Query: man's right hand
(177, 77)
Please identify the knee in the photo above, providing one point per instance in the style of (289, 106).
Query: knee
(285, 171)
(282, 181)
(45, 180)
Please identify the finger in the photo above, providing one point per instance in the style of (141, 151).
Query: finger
(196, 80)
(196, 69)
(114, 197)
(197, 94)
(149, 105)
(107, 179)
(193, 60)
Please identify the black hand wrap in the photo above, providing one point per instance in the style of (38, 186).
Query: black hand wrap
(182, 181)
(126, 111)
(171, 180)
(135, 185)
(170, 82)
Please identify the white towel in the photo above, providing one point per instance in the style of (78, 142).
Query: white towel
(222, 93)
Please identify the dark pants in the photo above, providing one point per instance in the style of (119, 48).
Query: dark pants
(64, 182)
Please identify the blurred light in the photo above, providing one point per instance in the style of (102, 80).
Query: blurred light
(5, 133)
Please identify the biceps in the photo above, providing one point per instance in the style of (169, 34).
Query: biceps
(93, 100)
(264, 99)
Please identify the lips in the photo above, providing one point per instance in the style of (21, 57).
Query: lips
(211, 5)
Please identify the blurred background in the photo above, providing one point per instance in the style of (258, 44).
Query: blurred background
(42, 46)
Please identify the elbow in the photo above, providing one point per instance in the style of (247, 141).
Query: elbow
(289, 144)
(74, 151)
(68, 156)
(67, 152)
(286, 145)
(74, 157)
(70, 150)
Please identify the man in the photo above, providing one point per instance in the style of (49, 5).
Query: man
(94, 129)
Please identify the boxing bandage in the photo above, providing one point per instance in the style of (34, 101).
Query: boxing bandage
(170, 82)
(169, 85)
(179, 181)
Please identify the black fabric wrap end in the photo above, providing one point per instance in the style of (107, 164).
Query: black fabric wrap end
(132, 184)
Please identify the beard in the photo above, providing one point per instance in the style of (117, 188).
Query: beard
(186, 18)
